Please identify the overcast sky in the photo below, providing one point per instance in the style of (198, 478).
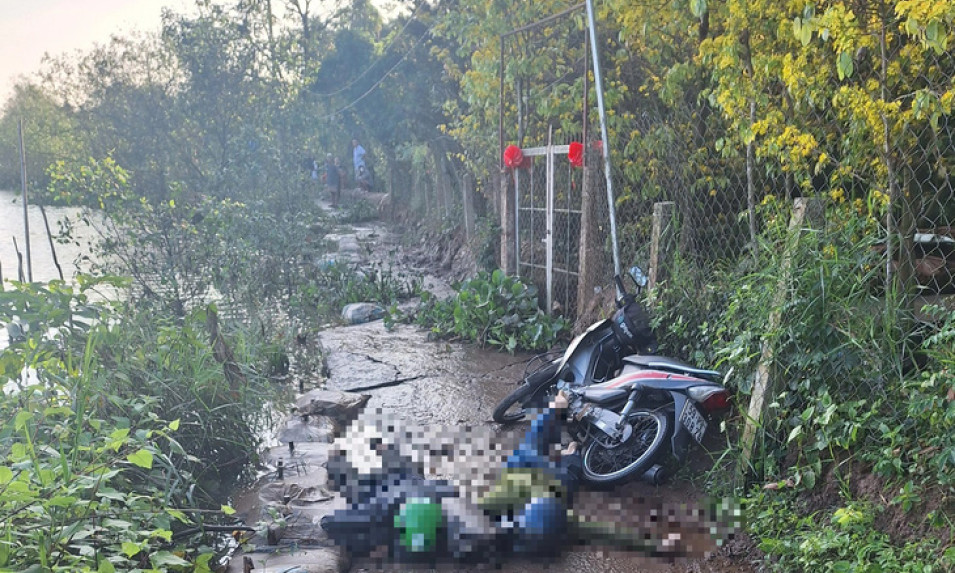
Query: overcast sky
(29, 28)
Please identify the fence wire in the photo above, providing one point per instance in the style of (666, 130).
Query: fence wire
(893, 173)
(871, 152)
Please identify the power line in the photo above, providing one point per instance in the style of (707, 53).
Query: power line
(355, 102)
(384, 52)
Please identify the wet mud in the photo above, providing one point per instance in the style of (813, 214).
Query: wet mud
(434, 399)
(442, 394)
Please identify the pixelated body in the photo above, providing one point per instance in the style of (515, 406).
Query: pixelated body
(437, 493)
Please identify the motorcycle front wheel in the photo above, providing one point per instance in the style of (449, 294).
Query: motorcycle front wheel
(511, 408)
(605, 466)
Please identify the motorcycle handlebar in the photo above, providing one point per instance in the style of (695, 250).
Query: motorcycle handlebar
(621, 290)
(623, 297)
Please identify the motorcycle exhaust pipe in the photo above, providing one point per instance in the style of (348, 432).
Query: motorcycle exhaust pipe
(655, 475)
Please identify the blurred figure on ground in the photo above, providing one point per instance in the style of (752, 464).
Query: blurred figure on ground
(395, 513)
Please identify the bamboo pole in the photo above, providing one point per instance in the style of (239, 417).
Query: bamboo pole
(49, 237)
(26, 214)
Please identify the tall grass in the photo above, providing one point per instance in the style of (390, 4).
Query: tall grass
(123, 425)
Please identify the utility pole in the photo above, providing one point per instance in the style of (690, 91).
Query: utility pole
(598, 84)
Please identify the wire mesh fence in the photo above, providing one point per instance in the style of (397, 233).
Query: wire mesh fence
(843, 311)
(904, 190)
(878, 147)
(548, 191)
(827, 299)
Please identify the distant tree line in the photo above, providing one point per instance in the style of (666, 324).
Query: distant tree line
(721, 103)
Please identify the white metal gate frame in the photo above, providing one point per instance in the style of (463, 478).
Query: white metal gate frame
(549, 152)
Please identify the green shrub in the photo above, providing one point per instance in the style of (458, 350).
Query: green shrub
(333, 285)
(845, 539)
(687, 313)
(920, 442)
(190, 248)
(114, 426)
(835, 343)
(493, 309)
(84, 488)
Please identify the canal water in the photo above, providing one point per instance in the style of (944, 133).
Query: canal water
(12, 226)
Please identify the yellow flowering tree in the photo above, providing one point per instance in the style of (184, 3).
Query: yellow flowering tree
(542, 73)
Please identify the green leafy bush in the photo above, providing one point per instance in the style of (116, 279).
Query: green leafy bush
(188, 249)
(493, 309)
(842, 391)
(84, 488)
(115, 425)
(845, 539)
(835, 343)
(687, 313)
(920, 442)
(335, 284)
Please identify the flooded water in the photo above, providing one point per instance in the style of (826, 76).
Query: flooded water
(43, 265)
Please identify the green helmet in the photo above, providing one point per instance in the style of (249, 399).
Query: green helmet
(418, 521)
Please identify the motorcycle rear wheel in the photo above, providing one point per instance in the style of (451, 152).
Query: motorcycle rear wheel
(606, 466)
(505, 412)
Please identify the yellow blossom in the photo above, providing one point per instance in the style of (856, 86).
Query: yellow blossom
(878, 199)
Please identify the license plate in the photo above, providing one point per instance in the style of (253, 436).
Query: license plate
(693, 421)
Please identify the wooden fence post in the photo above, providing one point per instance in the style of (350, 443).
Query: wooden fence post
(589, 249)
(807, 214)
(661, 242)
(508, 227)
(467, 205)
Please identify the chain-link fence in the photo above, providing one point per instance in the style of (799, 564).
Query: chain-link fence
(829, 301)
(808, 221)
(548, 193)
(882, 150)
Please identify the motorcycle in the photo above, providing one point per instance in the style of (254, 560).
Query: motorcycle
(625, 401)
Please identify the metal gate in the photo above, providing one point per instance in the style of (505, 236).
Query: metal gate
(548, 199)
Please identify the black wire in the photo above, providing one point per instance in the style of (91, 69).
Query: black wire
(384, 52)
(377, 83)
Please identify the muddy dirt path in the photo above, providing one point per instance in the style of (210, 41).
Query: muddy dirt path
(443, 393)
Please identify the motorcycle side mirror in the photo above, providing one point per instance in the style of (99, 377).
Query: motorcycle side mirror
(639, 277)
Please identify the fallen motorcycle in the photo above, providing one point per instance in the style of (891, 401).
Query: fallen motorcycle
(623, 404)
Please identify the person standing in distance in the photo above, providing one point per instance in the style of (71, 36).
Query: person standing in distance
(332, 180)
(358, 158)
(363, 175)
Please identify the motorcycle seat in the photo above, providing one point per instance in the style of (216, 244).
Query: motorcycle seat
(672, 365)
(599, 395)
